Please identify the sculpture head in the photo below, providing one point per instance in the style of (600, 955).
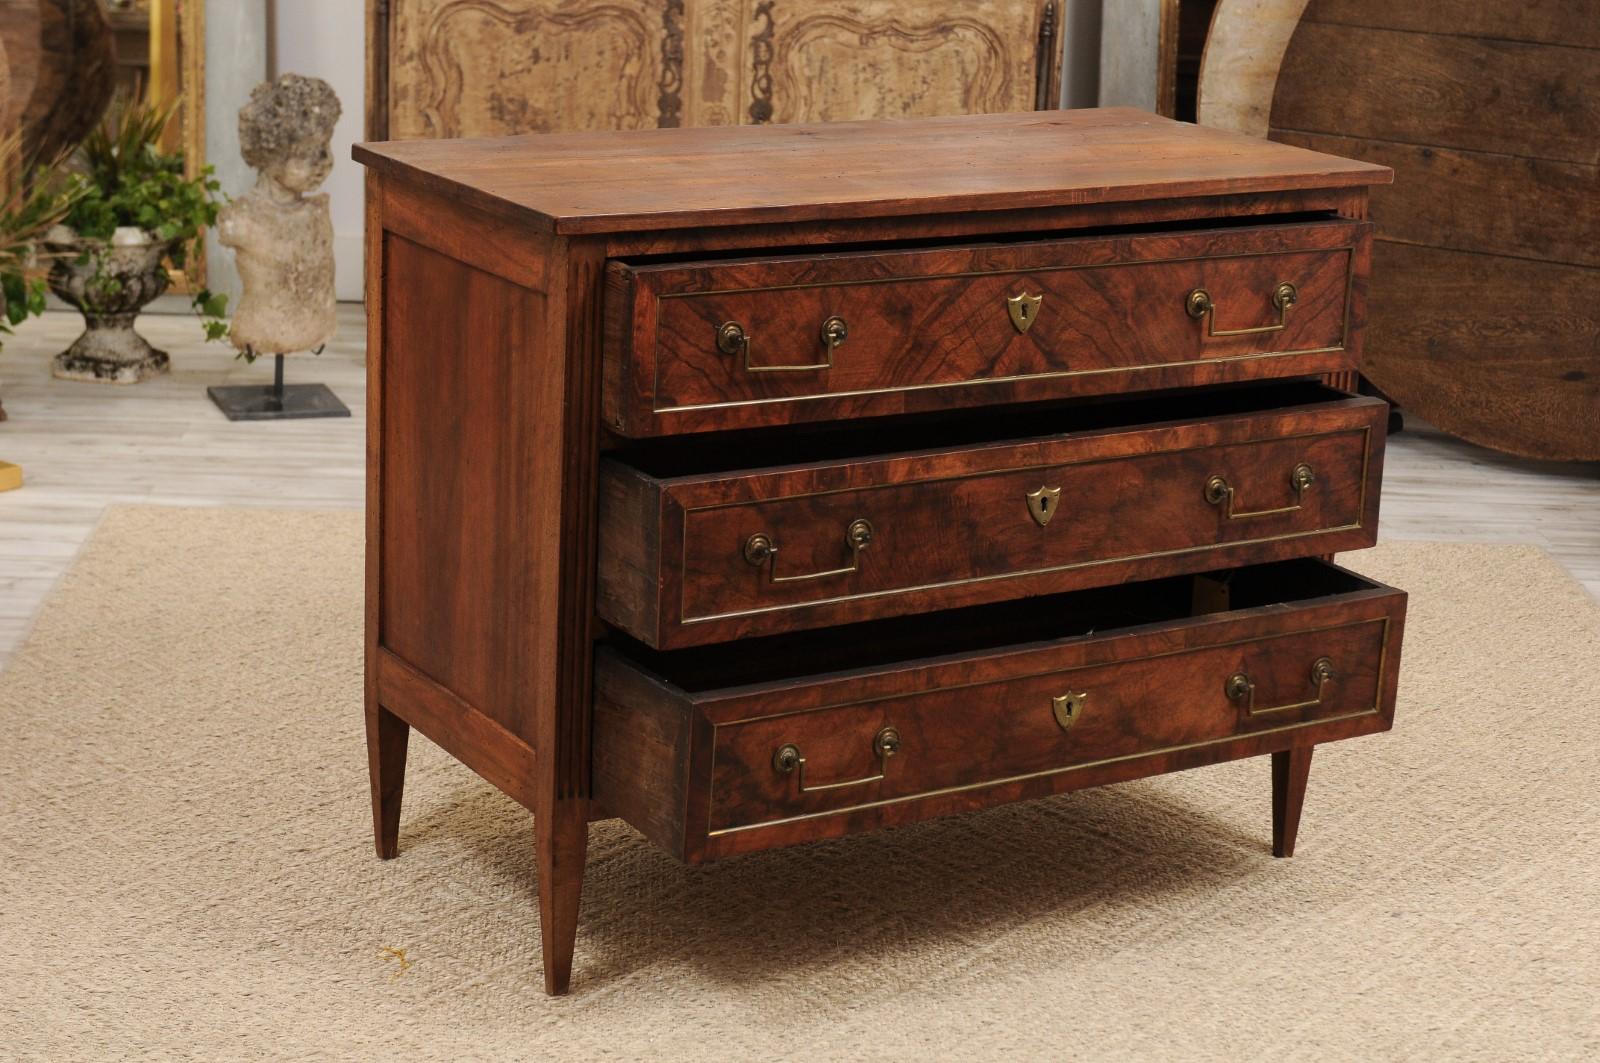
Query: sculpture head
(285, 128)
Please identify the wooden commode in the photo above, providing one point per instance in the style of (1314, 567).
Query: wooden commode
(762, 485)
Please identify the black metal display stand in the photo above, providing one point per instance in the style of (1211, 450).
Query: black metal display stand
(276, 401)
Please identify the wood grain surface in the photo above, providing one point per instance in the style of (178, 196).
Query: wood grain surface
(953, 527)
(64, 58)
(976, 725)
(1489, 322)
(506, 523)
(932, 328)
(1239, 66)
(677, 178)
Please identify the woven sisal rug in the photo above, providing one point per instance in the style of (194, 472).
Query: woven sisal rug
(185, 864)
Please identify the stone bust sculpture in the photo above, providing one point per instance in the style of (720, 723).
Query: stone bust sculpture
(282, 237)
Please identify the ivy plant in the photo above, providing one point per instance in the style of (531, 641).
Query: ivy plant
(130, 181)
(39, 199)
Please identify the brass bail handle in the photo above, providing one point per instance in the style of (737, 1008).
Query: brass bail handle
(1240, 687)
(1200, 306)
(761, 549)
(1219, 492)
(733, 339)
(787, 760)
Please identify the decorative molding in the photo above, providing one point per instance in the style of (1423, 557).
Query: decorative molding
(235, 36)
(761, 65)
(1045, 59)
(670, 103)
(493, 67)
(990, 82)
(443, 59)
(377, 112)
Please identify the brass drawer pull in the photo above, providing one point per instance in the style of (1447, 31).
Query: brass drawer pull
(732, 339)
(1240, 688)
(759, 549)
(788, 761)
(1200, 305)
(1220, 493)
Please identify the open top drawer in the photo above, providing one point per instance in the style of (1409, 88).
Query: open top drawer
(741, 342)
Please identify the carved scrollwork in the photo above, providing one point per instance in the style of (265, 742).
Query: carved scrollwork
(670, 103)
(761, 64)
(481, 68)
(931, 60)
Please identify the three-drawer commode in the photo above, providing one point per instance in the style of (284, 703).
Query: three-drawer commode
(759, 486)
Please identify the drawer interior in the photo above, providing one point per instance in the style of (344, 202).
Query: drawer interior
(1047, 619)
(1029, 236)
(712, 453)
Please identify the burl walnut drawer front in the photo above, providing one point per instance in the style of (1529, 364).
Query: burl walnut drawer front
(693, 559)
(757, 341)
(1306, 653)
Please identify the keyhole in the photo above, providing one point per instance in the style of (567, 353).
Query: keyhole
(1023, 312)
(1044, 505)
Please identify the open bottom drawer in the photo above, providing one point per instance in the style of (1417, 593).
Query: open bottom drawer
(722, 750)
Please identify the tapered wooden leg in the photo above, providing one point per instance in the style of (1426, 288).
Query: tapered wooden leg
(1290, 770)
(386, 764)
(562, 838)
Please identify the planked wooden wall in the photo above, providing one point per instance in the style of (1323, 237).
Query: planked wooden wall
(1485, 314)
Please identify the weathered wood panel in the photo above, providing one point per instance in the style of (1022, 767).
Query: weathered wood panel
(1500, 351)
(451, 68)
(1239, 68)
(1442, 90)
(479, 67)
(1489, 241)
(1475, 201)
(1572, 23)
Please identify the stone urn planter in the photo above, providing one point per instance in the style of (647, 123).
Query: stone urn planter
(109, 282)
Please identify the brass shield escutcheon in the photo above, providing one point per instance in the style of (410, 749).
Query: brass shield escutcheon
(1067, 708)
(1043, 504)
(1024, 309)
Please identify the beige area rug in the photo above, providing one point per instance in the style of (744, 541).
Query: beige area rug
(185, 867)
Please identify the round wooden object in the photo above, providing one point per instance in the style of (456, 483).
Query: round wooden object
(66, 47)
(1239, 66)
(1485, 305)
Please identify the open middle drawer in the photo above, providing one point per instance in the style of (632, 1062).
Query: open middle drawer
(1015, 505)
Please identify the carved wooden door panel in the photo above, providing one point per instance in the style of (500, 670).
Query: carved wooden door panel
(837, 60)
(445, 68)
(493, 67)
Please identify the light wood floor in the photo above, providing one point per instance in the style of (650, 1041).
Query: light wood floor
(83, 446)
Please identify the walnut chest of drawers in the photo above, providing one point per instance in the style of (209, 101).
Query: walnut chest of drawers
(763, 485)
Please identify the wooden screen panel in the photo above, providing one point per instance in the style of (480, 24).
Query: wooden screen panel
(453, 68)
(486, 68)
(848, 59)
